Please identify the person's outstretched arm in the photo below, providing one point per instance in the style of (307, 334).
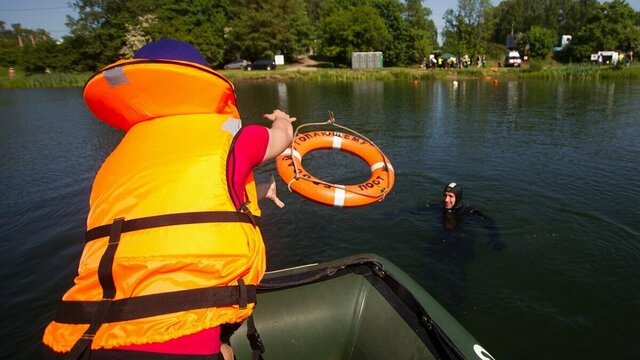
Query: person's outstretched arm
(280, 137)
(280, 133)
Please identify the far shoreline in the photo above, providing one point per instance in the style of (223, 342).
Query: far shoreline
(584, 71)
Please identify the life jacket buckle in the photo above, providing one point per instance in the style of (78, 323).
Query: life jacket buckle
(88, 336)
(245, 210)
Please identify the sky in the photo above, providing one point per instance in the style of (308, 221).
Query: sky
(50, 15)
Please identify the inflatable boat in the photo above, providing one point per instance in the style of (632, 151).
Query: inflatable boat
(360, 307)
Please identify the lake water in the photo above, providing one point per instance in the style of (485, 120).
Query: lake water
(554, 163)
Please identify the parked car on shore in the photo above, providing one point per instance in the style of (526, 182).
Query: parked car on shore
(262, 64)
(513, 59)
(237, 64)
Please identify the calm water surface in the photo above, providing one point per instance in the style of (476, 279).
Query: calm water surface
(554, 163)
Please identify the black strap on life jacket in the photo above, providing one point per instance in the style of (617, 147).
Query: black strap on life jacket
(243, 216)
(107, 310)
(82, 347)
(81, 312)
(257, 347)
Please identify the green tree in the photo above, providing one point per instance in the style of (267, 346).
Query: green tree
(413, 35)
(106, 30)
(200, 23)
(453, 31)
(423, 35)
(573, 15)
(263, 29)
(31, 50)
(611, 26)
(97, 35)
(396, 50)
(468, 30)
(355, 28)
(46, 54)
(10, 50)
(405, 37)
(559, 16)
(540, 42)
(518, 16)
(315, 9)
(136, 35)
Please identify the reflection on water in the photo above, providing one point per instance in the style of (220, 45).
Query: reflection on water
(513, 101)
(554, 163)
(283, 98)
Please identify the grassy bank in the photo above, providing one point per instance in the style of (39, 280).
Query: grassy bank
(538, 71)
(581, 71)
(352, 74)
(55, 80)
(289, 72)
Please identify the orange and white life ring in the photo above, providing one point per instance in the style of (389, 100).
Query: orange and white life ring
(379, 184)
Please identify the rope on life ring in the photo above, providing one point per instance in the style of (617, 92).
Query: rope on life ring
(289, 166)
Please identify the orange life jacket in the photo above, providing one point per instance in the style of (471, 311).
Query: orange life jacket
(167, 252)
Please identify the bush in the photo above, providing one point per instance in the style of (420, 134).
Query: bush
(540, 41)
(535, 66)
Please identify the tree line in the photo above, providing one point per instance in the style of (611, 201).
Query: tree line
(475, 25)
(223, 30)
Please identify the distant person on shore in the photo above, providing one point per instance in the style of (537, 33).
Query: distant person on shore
(12, 73)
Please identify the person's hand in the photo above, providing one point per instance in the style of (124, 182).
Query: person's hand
(272, 192)
(279, 114)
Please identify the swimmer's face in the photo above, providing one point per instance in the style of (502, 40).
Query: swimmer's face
(449, 199)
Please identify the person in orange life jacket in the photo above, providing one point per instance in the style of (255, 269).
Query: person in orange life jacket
(142, 264)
